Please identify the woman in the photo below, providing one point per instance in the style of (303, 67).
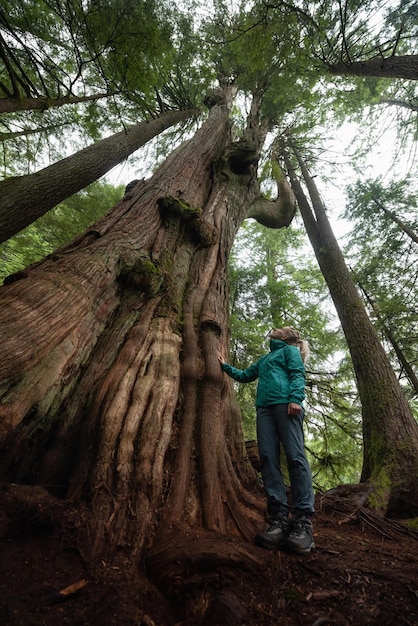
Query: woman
(280, 394)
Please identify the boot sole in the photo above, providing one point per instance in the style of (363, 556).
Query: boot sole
(295, 550)
(260, 543)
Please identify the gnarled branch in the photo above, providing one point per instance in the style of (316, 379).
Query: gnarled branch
(275, 213)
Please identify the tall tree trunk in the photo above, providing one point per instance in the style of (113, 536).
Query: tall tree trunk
(405, 365)
(111, 389)
(27, 132)
(406, 229)
(11, 104)
(25, 198)
(390, 432)
(401, 66)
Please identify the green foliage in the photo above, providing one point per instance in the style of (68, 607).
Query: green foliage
(331, 36)
(150, 56)
(57, 47)
(256, 51)
(57, 228)
(130, 51)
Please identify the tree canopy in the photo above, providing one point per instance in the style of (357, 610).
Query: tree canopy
(87, 69)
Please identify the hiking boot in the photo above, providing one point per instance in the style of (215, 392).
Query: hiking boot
(275, 535)
(300, 538)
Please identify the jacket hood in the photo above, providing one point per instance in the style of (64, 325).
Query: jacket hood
(276, 344)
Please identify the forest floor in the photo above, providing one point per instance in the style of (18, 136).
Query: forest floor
(363, 571)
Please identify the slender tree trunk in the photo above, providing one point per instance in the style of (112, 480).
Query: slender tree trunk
(399, 103)
(27, 132)
(390, 432)
(406, 229)
(10, 105)
(405, 365)
(25, 198)
(405, 66)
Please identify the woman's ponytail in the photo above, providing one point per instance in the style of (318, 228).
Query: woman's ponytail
(304, 349)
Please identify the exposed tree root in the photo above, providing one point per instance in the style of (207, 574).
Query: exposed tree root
(349, 501)
(177, 553)
(195, 570)
(35, 504)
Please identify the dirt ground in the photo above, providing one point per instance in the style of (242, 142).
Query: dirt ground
(363, 571)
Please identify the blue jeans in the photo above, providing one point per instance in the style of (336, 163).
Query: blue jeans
(275, 427)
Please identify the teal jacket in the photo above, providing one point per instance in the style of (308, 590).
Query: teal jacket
(280, 373)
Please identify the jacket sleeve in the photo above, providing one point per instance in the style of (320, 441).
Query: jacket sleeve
(297, 375)
(242, 376)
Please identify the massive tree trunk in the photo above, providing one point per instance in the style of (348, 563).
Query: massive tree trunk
(112, 393)
(25, 198)
(390, 432)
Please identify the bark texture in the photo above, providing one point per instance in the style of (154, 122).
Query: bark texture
(402, 66)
